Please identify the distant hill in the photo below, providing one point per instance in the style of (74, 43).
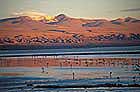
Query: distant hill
(61, 31)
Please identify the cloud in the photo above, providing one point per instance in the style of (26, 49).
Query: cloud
(28, 13)
(34, 15)
(130, 10)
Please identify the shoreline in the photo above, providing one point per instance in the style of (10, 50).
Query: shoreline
(71, 53)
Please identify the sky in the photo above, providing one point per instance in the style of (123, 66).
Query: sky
(74, 8)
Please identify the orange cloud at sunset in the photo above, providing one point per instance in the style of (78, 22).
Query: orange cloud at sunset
(34, 15)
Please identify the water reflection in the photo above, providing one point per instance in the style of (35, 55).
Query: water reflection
(67, 70)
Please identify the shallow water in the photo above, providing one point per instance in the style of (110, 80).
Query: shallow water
(77, 50)
(17, 78)
(63, 76)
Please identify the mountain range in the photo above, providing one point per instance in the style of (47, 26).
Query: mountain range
(61, 31)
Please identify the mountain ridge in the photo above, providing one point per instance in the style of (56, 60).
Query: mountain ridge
(64, 31)
(125, 19)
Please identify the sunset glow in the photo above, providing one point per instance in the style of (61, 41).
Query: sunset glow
(111, 9)
(35, 15)
(70, 45)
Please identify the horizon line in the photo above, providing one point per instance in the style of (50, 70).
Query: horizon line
(88, 18)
